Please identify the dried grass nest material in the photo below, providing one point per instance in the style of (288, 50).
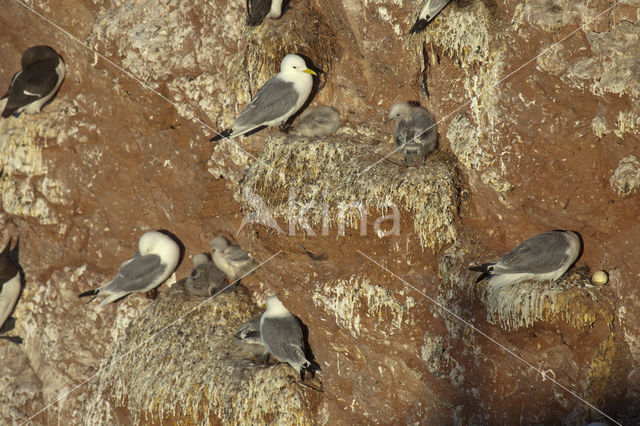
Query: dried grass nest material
(194, 370)
(571, 299)
(332, 178)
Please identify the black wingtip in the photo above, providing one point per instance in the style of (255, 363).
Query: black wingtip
(314, 367)
(9, 324)
(479, 268)
(223, 135)
(88, 293)
(13, 339)
(485, 268)
(7, 112)
(419, 26)
(7, 250)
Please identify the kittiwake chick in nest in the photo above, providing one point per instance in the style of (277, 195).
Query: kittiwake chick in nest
(542, 257)
(205, 279)
(155, 260)
(232, 260)
(416, 134)
(248, 337)
(318, 122)
(276, 101)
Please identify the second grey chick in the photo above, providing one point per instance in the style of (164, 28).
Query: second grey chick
(232, 260)
(416, 134)
(205, 279)
(248, 337)
(318, 122)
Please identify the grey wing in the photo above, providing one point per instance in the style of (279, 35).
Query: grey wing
(274, 100)
(400, 137)
(283, 337)
(539, 254)
(424, 130)
(214, 277)
(197, 281)
(137, 273)
(257, 10)
(250, 331)
(236, 255)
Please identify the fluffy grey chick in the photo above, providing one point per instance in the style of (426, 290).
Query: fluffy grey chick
(416, 134)
(232, 260)
(282, 335)
(248, 337)
(542, 257)
(205, 279)
(318, 122)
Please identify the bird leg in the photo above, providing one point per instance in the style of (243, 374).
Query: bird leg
(152, 294)
(285, 127)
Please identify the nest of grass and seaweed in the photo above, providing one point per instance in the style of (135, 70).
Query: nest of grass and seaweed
(572, 299)
(180, 360)
(342, 178)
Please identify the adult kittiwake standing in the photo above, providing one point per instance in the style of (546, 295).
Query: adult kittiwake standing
(282, 335)
(542, 257)
(42, 73)
(276, 101)
(416, 134)
(155, 260)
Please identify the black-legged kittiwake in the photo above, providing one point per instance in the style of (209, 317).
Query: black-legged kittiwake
(259, 10)
(232, 260)
(416, 134)
(205, 279)
(248, 337)
(542, 257)
(155, 260)
(429, 11)
(10, 284)
(318, 122)
(276, 101)
(282, 335)
(40, 78)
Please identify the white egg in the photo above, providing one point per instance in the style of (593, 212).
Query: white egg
(600, 278)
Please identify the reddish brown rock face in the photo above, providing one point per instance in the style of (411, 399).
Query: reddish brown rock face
(538, 105)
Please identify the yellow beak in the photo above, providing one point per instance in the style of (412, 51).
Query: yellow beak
(308, 71)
